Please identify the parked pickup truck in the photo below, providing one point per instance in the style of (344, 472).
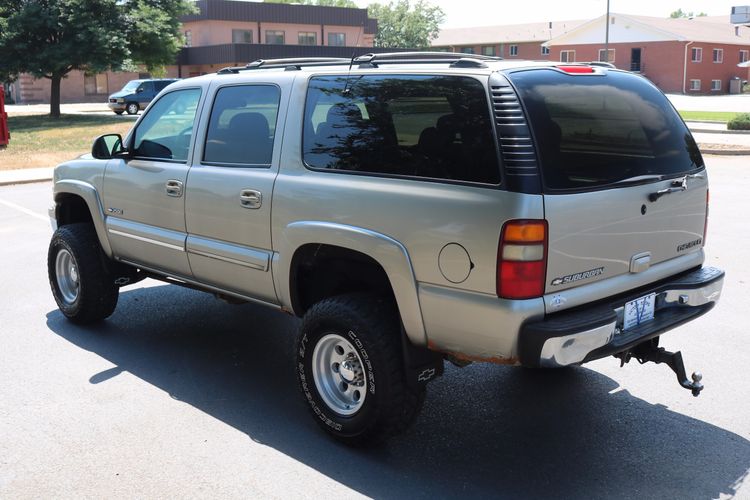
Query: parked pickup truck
(411, 209)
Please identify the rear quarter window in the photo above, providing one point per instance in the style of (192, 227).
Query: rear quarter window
(594, 130)
(424, 126)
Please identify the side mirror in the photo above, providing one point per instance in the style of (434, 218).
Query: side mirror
(139, 90)
(107, 146)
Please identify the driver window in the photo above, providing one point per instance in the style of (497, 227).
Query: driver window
(165, 131)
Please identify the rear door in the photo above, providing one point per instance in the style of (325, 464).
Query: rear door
(228, 199)
(624, 183)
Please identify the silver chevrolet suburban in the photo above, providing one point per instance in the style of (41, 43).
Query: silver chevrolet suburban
(410, 208)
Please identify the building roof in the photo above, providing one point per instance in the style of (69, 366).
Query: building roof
(711, 29)
(234, 10)
(530, 32)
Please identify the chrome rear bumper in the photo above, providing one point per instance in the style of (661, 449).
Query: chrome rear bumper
(593, 332)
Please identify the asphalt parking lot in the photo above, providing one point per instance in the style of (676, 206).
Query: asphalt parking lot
(182, 395)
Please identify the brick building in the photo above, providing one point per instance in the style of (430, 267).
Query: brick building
(229, 33)
(692, 56)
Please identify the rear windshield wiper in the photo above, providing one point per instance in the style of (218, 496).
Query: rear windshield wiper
(638, 179)
(680, 184)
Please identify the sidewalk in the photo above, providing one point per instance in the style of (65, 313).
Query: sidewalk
(25, 175)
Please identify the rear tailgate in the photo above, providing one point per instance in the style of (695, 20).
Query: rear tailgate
(609, 142)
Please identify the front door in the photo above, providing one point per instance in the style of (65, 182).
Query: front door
(143, 195)
(228, 196)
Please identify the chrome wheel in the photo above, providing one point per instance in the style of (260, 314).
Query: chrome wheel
(66, 272)
(339, 375)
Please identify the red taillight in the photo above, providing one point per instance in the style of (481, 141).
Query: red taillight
(705, 223)
(576, 70)
(522, 259)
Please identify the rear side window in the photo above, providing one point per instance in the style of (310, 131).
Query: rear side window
(242, 126)
(425, 126)
(592, 131)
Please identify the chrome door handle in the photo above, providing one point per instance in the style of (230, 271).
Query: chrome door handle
(174, 188)
(250, 198)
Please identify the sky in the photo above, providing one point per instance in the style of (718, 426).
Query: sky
(466, 13)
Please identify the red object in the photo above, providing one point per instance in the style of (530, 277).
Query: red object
(4, 133)
(522, 260)
(577, 70)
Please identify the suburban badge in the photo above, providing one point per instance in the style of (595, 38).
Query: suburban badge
(564, 280)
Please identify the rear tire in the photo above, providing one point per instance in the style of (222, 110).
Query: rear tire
(80, 276)
(350, 369)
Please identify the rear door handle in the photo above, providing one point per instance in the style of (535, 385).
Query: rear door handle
(250, 198)
(174, 188)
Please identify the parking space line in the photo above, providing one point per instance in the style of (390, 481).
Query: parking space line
(24, 210)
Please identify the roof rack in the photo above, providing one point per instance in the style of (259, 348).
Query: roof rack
(289, 63)
(602, 64)
(456, 60)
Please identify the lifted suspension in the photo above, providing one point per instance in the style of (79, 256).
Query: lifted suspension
(650, 351)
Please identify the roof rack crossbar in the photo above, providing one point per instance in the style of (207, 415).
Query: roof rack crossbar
(421, 57)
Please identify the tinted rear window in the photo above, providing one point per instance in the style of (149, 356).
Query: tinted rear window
(595, 130)
(426, 126)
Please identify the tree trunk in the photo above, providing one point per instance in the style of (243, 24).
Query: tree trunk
(54, 100)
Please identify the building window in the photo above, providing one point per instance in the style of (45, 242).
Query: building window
(307, 38)
(718, 55)
(610, 57)
(743, 56)
(242, 36)
(696, 54)
(545, 50)
(514, 50)
(488, 50)
(275, 37)
(337, 39)
(95, 84)
(695, 84)
(188, 38)
(567, 56)
(467, 50)
(715, 84)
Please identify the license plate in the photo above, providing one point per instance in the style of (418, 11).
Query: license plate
(639, 311)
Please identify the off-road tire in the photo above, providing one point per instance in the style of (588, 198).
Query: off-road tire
(371, 324)
(132, 108)
(97, 294)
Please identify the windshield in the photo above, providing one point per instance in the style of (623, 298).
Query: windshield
(131, 85)
(593, 131)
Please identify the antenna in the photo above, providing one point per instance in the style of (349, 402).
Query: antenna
(351, 62)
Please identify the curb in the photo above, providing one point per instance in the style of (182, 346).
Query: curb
(726, 152)
(24, 181)
(714, 131)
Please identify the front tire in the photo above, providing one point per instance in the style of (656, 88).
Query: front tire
(132, 108)
(118, 112)
(79, 276)
(350, 369)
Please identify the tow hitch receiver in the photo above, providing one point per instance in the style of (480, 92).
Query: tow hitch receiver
(650, 351)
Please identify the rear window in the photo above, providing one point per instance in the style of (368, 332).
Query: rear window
(592, 131)
(424, 126)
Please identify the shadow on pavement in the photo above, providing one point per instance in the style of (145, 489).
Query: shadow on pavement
(485, 430)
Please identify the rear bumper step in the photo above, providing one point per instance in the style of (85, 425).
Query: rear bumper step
(590, 333)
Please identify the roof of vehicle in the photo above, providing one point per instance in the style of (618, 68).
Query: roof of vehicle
(404, 62)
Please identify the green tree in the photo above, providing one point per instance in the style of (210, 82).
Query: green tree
(402, 23)
(679, 13)
(51, 38)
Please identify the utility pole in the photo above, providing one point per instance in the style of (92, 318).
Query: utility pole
(606, 37)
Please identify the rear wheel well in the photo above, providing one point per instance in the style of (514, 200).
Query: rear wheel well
(72, 209)
(320, 271)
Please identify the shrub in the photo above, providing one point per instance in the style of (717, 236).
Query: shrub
(739, 122)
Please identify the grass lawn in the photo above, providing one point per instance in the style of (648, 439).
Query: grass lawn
(714, 116)
(40, 141)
